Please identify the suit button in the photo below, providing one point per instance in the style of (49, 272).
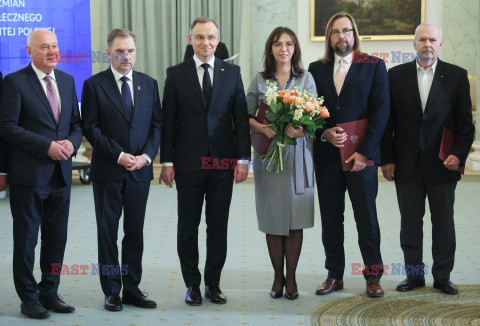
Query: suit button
(339, 107)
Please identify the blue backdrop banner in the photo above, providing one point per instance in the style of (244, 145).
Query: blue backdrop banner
(68, 19)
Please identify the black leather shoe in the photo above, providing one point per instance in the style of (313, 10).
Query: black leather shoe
(193, 297)
(34, 309)
(446, 286)
(113, 302)
(215, 295)
(138, 299)
(54, 302)
(411, 283)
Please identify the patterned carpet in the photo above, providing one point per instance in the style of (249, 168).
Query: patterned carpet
(247, 275)
(419, 307)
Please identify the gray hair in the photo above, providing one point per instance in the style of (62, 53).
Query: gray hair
(119, 32)
(426, 24)
(203, 20)
(31, 34)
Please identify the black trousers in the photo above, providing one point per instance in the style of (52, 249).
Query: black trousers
(215, 187)
(35, 208)
(110, 198)
(362, 188)
(411, 194)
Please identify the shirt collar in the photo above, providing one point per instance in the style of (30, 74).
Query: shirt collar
(199, 62)
(347, 58)
(118, 75)
(40, 74)
(434, 66)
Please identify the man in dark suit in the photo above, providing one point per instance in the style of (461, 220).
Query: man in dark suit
(355, 87)
(221, 52)
(39, 120)
(3, 154)
(427, 97)
(121, 120)
(206, 130)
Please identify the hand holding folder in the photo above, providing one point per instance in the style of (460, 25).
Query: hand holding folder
(259, 140)
(446, 146)
(355, 130)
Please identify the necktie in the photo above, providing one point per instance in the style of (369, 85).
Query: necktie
(339, 78)
(52, 98)
(127, 97)
(207, 84)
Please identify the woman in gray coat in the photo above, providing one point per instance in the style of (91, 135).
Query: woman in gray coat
(284, 201)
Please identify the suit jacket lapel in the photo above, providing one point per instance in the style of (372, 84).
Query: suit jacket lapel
(192, 76)
(438, 78)
(110, 87)
(138, 89)
(218, 78)
(61, 89)
(331, 84)
(412, 79)
(40, 92)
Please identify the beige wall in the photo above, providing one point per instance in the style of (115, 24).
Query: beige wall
(311, 51)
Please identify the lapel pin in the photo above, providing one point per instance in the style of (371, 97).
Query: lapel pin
(139, 88)
(222, 69)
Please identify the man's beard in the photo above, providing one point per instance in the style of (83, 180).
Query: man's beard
(425, 58)
(343, 50)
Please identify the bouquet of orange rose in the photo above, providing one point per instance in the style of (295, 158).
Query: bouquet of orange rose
(295, 108)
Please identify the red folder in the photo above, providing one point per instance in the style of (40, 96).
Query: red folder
(355, 130)
(260, 142)
(446, 146)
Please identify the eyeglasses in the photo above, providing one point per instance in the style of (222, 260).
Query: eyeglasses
(201, 38)
(279, 45)
(345, 31)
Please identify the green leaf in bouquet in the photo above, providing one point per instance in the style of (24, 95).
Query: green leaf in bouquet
(308, 122)
(270, 115)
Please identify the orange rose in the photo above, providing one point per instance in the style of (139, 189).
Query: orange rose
(317, 106)
(281, 94)
(309, 107)
(287, 98)
(298, 101)
(324, 113)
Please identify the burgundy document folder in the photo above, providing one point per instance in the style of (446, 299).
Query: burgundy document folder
(355, 130)
(260, 142)
(446, 146)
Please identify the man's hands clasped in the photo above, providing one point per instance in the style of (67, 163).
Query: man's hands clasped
(132, 163)
(61, 150)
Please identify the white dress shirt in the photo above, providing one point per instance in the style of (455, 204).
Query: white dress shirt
(41, 75)
(200, 73)
(425, 79)
(118, 78)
